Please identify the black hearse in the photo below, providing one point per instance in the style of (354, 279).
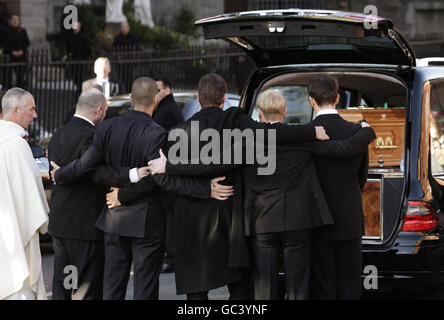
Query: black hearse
(380, 81)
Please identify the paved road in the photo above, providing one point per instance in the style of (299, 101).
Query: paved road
(167, 290)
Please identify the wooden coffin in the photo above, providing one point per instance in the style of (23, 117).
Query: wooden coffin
(371, 201)
(389, 125)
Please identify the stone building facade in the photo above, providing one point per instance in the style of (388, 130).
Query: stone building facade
(420, 20)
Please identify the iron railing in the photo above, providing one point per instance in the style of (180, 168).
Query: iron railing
(56, 85)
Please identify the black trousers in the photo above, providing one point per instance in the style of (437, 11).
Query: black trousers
(120, 252)
(267, 249)
(336, 270)
(88, 258)
(239, 290)
(170, 240)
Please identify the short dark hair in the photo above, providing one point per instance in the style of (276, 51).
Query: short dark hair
(143, 91)
(212, 88)
(324, 89)
(166, 82)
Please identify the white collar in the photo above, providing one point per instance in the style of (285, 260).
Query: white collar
(104, 80)
(326, 111)
(86, 119)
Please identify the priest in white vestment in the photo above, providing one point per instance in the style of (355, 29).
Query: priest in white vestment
(23, 205)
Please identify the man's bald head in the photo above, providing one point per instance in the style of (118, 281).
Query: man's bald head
(89, 100)
(92, 105)
(144, 92)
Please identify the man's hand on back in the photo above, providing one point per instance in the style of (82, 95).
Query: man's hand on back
(55, 167)
(220, 191)
(320, 133)
(112, 199)
(142, 172)
(158, 165)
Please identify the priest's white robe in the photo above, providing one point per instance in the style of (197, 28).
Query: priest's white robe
(23, 213)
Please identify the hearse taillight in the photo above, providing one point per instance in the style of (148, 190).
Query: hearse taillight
(420, 216)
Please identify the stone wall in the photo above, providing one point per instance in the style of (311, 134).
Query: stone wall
(33, 18)
(163, 11)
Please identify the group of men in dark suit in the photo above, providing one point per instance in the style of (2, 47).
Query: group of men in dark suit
(135, 230)
(219, 238)
(272, 215)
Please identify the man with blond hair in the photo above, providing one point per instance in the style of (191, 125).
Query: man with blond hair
(111, 86)
(23, 205)
(275, 227)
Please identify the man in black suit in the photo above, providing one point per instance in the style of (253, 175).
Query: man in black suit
(211, 245)
(16, 43)
(337, 266)
(78, 46)
(282, 209)
(134, 231)
(76, 206)
(167, 115)
(111, 86)
(125, 40)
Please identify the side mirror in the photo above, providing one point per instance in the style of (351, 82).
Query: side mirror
(38, 152)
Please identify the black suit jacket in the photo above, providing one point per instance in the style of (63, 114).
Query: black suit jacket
(342, 181)
(131, 141)
(295, 178)
(116, 87)
(76, 206)
(220, 224)
(168, 113)
(292, 198)
(78, 46)
(16, 39)
(122, 42)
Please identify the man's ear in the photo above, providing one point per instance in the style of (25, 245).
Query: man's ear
(223, 100)
(260, 114)
(16, 110)
(156, 100)
(197, 97)
(99, 110)
(131, 99)
(285, 112)
(337, 99)
(312, 102)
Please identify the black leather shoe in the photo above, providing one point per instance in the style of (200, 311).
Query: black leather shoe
(167, 268)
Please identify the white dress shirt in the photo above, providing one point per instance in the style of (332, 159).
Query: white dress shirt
(86, 119)
(105, 85)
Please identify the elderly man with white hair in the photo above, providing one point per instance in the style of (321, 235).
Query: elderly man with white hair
(23, 205)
